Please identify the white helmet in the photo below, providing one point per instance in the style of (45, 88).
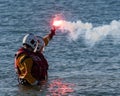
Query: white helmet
(30, 40)
(41, 43)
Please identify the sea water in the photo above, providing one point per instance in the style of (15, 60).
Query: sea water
(84, 63)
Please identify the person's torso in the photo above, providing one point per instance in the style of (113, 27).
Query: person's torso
(39, 67)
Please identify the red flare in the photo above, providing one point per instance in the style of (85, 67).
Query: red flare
(57, 23)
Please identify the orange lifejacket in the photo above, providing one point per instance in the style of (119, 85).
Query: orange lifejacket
(40, 64)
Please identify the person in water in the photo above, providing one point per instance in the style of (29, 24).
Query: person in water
(30, 64)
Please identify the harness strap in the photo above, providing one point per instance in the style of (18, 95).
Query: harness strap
(23, 59)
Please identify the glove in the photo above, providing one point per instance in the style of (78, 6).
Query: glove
(52, 32)
(53, 29)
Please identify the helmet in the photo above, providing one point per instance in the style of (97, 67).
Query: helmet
(41, 43)
(30, 40)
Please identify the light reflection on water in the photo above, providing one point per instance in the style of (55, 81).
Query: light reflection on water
(59, 88)
(56, 87)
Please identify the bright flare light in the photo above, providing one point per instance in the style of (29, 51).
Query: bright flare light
(57, 23)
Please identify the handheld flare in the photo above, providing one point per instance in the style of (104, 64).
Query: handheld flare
(57, 23)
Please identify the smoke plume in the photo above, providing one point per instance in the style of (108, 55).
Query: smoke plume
(90, 33)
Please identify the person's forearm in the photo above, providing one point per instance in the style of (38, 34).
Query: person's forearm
(48, 37)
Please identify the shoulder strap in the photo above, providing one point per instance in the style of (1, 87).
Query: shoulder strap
(22, 60)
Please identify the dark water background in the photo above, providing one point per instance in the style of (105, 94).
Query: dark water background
(94, 71)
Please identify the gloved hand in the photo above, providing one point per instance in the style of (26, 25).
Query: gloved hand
(52, 32)
(53, 29)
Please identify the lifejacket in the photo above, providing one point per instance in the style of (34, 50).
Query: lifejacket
(40, 65)
(44, 66)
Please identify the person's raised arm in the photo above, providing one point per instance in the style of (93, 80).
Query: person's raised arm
(48, 37)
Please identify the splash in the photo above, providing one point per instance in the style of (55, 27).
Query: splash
(90, 34)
